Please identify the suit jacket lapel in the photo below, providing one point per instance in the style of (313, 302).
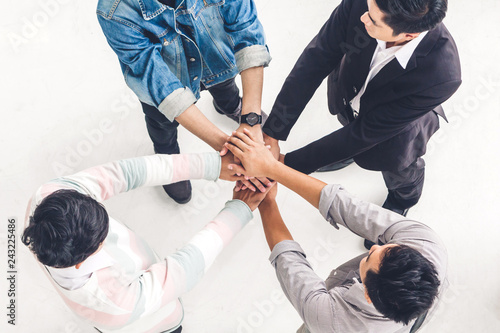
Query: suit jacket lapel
(387, 74)
(361, 63)
(394, 69)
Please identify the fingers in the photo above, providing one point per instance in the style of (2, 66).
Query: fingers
(265, 181)
(238, 186)
(247, 137)
(258, 184)
(237, 142)
(249, 185)
(237, 169)
(271, 184)
(223, 151)
(250, 135)
(234, 149)
(235, 178)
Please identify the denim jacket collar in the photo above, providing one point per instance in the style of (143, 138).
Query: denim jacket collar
(151, 8)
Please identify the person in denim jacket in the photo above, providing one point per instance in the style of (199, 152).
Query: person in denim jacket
(170, 50)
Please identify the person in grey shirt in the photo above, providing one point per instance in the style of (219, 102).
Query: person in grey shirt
(392, 288)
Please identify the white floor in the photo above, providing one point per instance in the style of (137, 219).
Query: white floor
(61, 88)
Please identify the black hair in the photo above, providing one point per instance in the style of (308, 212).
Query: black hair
(66, 228)
(405, 285)
(411, 16)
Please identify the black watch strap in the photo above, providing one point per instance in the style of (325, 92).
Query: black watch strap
(251, 119)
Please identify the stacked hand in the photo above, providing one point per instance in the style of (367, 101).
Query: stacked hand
(251, 183)
(247, 159)
(253, 199)
(257, 160)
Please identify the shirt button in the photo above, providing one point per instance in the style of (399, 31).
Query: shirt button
(345, 103)
(355, 90)
(195, 78)
(165, 42)
(192, 59)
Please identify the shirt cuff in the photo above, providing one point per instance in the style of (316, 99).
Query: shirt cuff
(252, 56)
(240, 209)
(176, 103)
(285, 246)
(328, 194)
(213, 164)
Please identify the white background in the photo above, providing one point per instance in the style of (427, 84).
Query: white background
(61, 86)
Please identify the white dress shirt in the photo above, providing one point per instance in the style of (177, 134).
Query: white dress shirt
(381, 57)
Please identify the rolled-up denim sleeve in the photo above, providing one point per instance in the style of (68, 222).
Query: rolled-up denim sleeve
(246, 34)
(144, 69)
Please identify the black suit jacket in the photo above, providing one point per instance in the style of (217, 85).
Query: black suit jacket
(390, 131)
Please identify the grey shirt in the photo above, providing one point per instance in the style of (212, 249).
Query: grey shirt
(344, 308)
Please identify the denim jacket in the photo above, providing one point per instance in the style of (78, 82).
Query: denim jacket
(166, 52)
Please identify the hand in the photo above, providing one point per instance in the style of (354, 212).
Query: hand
(227, 174)
(252, 199)
(252, 183)
(227, 158)
(275, 148)
(255, 130)
(271, 195)
(256, 158)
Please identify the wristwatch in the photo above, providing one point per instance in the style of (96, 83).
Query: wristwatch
(251, 119)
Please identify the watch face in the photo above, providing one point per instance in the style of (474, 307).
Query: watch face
(252, 119)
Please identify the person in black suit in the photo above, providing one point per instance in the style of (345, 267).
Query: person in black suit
(390, 64)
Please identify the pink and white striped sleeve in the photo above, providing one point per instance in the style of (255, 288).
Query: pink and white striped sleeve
(164, 282)
(106, 180)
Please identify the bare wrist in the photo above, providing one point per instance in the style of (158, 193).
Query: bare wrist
(274, 170)
(270, 139)
(266, 204)
(220, 141)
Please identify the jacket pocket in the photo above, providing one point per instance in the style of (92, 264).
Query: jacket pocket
(171, 51)
(201, 5)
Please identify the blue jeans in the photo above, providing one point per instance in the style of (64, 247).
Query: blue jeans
(163, 132)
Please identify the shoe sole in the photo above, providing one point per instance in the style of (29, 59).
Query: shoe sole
(181, 202)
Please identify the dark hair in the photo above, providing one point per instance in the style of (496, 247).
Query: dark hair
(410, 16)
(66, 228)
(405, 286)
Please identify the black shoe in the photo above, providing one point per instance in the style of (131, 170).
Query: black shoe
(180, 191)
(336, 165)
(368, 244)
(400, 211)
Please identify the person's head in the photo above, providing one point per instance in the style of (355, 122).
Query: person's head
(66, 228)
(402, 20)
(400, 282)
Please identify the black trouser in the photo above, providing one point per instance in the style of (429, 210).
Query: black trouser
(163, 132)
(405, 186)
